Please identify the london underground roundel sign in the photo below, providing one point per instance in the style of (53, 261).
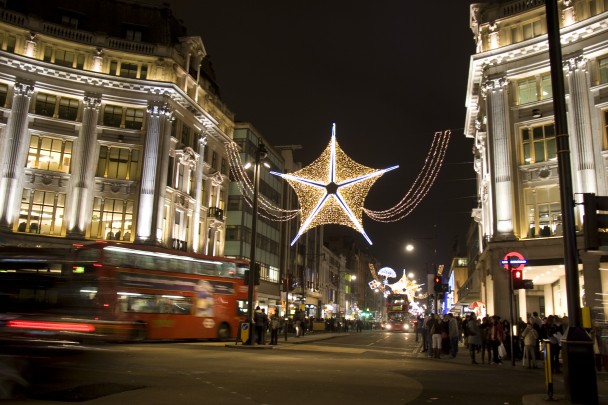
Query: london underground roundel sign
(517, 261)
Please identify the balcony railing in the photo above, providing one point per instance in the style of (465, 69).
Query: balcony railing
(216, 213)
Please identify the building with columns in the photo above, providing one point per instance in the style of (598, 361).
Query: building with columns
(510, 116)
(109, 130)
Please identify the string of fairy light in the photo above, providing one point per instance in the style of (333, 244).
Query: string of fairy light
(422, 184)
(353, 180)
(267, 208)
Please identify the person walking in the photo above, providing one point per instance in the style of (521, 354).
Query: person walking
(474, 337)
(436, 332)
(274, 328)
(530, 336)
(496, 336)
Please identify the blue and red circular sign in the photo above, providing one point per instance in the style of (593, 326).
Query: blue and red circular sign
(516, 259)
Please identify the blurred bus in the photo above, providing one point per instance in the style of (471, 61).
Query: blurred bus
(398, 317)
(131, 292)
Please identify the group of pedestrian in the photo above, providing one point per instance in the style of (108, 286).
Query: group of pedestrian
(441, 335)
(491, 338)
(262, 323)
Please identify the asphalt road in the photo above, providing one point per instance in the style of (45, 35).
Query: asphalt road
(355, 368)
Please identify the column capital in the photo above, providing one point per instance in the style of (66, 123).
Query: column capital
(158, 110)
(202, 139)
(23, 89)
(576, 63)
(92, 101)
(492, 85)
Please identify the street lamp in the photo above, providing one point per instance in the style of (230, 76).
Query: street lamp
(260, 154)
(410, 247)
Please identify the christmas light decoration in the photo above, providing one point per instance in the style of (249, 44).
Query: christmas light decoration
(318, 196)
(332, 189)
(421, 186)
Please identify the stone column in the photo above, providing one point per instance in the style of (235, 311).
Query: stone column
(498, 122)
(582, 138)
(14, 146)
(198, 195)
(154, 175)
(82, 179)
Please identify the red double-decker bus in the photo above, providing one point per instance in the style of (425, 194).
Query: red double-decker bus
(398, 317)
(166, 294)
(115, 292)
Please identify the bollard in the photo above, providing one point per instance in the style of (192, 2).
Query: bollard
(548, 368)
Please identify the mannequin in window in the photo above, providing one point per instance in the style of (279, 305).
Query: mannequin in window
(127, 236)
(117, 236)
(22, 227)
(546, 231)
(34, 228)
(110, 235)
(558, 230)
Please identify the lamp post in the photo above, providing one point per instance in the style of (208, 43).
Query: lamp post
(579, 370)
(410, 248)
(260, 154)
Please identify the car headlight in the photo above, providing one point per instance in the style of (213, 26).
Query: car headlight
(388, 326)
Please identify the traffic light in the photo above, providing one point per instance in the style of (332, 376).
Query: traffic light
(438, 284)
(595, 221)
(256, 275)
(517, 277)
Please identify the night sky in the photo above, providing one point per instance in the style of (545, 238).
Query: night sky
(389, 74)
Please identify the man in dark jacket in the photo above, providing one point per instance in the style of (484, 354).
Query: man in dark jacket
(260, 321)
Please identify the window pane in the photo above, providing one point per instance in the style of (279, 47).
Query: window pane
(68, 108)
(112, 115)
(134, 118)
(45, 104)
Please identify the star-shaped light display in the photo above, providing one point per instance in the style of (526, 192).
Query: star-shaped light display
(332, 189)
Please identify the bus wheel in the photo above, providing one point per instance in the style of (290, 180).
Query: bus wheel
(139, 332)
(223, 332)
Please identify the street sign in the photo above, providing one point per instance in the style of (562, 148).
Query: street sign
(517, 261)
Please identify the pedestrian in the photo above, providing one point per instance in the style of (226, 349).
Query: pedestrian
(496, 337)
(484, 329)
(260, 322)
(429, 325)
(530, 336)
(436, 336)
(453, 334)
(274, 328)
(474, 337)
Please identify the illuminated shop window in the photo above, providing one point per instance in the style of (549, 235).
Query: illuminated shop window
(112, 219)
(46, 153)
(544, 216)
(41, 212)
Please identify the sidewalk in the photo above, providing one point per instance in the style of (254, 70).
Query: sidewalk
(463, 357)
(291, 339)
